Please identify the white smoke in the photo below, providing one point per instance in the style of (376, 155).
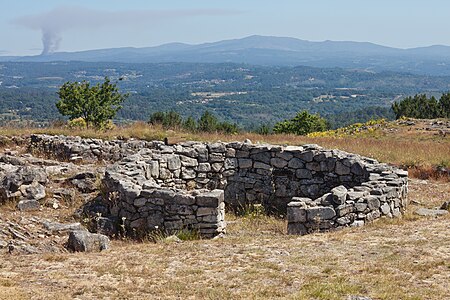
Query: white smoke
(52, 24)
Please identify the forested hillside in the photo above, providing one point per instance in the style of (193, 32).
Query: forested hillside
(242, 94)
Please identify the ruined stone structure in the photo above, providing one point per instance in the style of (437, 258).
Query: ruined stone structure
(151, 185)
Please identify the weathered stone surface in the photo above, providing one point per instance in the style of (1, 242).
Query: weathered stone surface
(313, 166)
(260, 165)
(263, 157)
(342, 169)
(320, 213)
(360, 206)
(357, 223)
(296, 229)
(106, 226)
(59, 227)
(210, 199)
(154, 168)
(206, 211)
(188, 162)
(203, 167)
(84, 241)
(385, 209)
(296, 163)
(344, 209)
(426, 212)
(355, 195)
(33, 191)
(306, 156)
(173, 162)
(339, 194)
(373, 202)
(357, 168)
(278, 162)
(230, 163)
(245, 163)
(296, 214)
(303, 174)
(217, 147)
(28, 205)
(343, 221)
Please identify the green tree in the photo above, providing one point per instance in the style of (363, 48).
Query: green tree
(208, 122)
(444, 103)
(419, 107)
(97, 104)
(170, 119)
(228, 128)
(264, 129)
(190, 124)
(302, 124)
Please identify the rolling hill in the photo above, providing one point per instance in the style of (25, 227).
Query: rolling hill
(272, 51)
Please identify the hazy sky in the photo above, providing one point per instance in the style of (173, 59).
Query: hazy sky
(92, 24)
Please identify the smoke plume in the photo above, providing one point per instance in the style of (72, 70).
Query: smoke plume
(54, 23)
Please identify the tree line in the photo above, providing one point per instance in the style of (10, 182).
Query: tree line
(95, 106)
(422, 107)
(207, 122)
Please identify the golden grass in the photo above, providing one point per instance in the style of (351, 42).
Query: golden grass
(9, 290)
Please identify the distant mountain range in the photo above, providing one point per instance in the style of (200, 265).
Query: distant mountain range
(273, 51)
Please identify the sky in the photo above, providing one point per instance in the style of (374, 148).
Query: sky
(32, 27)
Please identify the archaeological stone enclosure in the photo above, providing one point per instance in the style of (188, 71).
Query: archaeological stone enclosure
(151, 185)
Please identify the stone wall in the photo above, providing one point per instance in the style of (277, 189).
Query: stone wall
(75, 148)
(147, 207)
(324, 188)
(383, 195)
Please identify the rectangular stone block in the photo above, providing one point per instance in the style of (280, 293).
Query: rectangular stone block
(209, 219)
(296, 214)
(205, 211)
(245, 163)
(320, 213)
(210, 199)
(184, 199)
(260, 165)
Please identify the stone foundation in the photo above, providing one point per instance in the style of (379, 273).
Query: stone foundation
(150, 184)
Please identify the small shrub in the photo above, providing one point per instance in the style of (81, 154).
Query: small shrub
(77, 123)
(185, 234)
(264, 130)
(251, 211)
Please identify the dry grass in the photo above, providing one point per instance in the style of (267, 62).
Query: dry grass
(405, 258)
(403, 146)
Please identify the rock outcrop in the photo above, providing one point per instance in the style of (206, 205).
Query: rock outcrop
(84, 241)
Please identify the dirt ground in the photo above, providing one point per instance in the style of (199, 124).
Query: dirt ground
(406, 258)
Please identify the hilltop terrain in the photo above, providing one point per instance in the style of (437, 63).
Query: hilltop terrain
(401, 259)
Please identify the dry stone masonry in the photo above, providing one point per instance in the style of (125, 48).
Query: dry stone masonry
(152, 185)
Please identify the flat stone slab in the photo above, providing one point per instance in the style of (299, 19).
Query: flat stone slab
(59, 227)
(28, 205)
(426, 212)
